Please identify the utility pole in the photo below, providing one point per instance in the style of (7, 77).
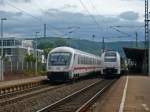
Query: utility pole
(136, 36)
(44, 30)
(36, 63)
(93, 37)
(147, 40)
(70, 32)
(103, 44)
(2, 69)
(146, 24)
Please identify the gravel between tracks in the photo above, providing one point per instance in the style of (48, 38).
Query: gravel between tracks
(36, 102)
(71, 105)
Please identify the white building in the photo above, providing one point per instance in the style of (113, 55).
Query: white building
(15, 49)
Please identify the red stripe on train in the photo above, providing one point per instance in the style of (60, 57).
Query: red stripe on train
(78, 68)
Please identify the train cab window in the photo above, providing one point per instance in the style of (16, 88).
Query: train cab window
(59, 59)
(110, 59)
(110, 54)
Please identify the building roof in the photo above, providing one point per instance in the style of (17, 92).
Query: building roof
(135, 53)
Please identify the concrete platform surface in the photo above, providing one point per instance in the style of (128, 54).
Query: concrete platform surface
(138, 94)
(21, 81)
(125, 96)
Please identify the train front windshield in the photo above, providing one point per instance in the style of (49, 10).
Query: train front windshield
(110, 57)
(110, 54)
(59, 59)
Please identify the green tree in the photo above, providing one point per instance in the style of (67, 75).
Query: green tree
(60, 42)
(46, 51)
(29, 58)
(45, 45)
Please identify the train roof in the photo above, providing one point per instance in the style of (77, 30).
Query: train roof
(72, 50)
(62, 49)
(111, 51)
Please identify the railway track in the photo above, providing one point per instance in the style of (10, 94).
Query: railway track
(22, 91)
(80, 100)
(11, 90)
(36, 100)
(20, 95)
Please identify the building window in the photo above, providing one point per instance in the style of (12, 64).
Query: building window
(7, 42)
(17, 42)
(10, 42)
(4, 42)
(8, 51)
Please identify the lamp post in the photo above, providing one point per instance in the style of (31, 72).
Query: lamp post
(136, 38)
(103, 44)
(36, 63)
(2, 74)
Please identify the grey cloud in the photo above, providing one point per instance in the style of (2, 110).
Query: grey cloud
(10, 14)
(132, 0)
(4, 2)
(26, 1)
(1, 2)
(67, 6)
(49, 11)
(130, 15)
(61, 20)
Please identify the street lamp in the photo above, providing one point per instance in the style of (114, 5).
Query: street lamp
(36, 64)
(2, 74)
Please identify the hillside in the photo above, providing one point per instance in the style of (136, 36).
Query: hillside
(86, 45)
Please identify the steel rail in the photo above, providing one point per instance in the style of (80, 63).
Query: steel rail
(27, 95)
(86, 105)
(65, 99)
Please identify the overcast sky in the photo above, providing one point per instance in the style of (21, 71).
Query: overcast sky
(82, 18)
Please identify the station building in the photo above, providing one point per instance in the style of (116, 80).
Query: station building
(15, 50)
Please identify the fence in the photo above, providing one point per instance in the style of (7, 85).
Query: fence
(21, 67)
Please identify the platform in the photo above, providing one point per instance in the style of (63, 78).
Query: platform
(21, 81)
(126, 96)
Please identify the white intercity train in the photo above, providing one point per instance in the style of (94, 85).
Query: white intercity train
(111, 63)
(65, 63)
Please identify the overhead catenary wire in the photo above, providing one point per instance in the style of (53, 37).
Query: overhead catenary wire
(40, 20)
(92, 17)
(92, 5)
(35, 18)
(120, 31)
(64, 28)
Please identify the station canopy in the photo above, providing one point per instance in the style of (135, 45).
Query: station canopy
(140, 57)
(135, 53)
